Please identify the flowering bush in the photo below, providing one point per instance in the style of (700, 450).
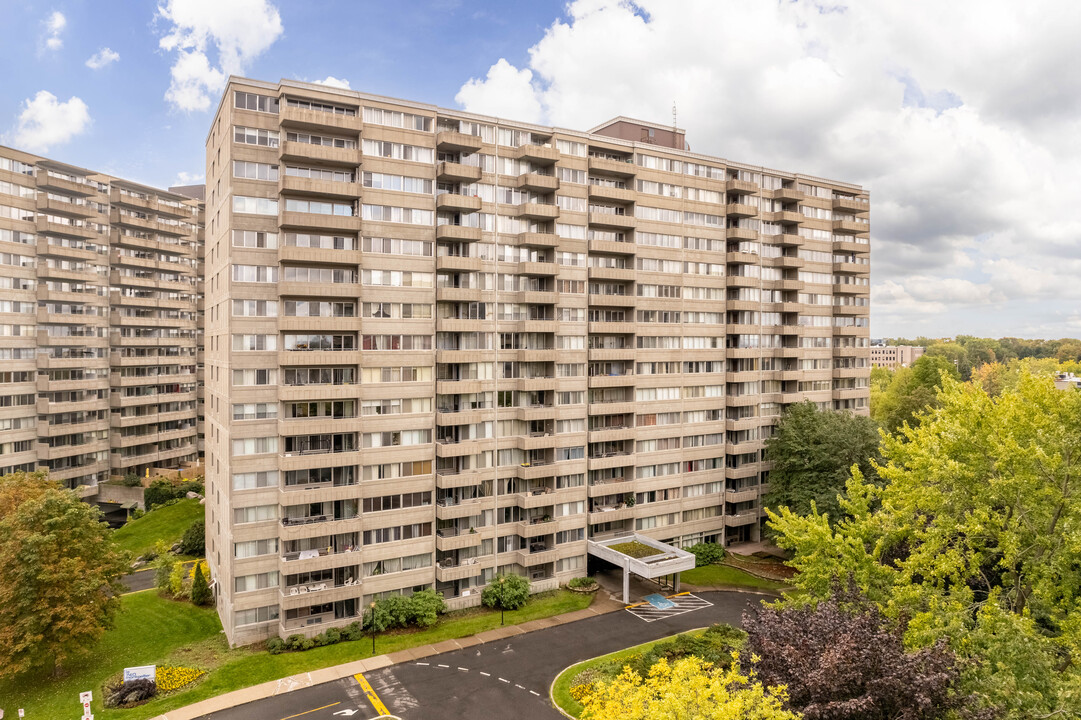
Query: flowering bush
(174, 677)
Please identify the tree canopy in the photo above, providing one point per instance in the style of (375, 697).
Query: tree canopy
(687, 688)
(911, 391)
(60, 573)
(975, 536)
(506, 592)
(811, 453)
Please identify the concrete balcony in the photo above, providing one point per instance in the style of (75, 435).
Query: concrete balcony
(623, 222)
(537, 211)
(740, 234)
(453, 141)
(318, 120)
(851, 244)
(612, 247)
(318, 188)
(73, 209)
(45, 180)
(458, 263)
(740, 187)
(607, 273)
(605, 192)
(457, 232)
(538, 269)
(851, 227)
(456, 172)
(452, 539)
(748, 517)
(538, 154)
(447, 571)
(601, 514)
(740, 210)
(612, 167)
(538, 182)
(851, 204)
(346, 157)
(789, 194)
(538, 239)
(738, 496)
(79, 231)
(452, 201)
(624, 301)
(333, 223)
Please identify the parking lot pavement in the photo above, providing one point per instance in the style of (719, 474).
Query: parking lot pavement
(681, 604)
(506, 678)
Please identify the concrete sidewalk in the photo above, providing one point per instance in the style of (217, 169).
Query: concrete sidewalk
(600, 606)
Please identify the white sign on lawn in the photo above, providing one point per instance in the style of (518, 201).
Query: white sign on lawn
(142, 672)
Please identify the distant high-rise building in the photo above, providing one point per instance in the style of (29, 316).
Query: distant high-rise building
(98, 323)
(895, 356)
(442, 345)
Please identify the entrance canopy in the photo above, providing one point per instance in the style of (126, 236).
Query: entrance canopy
(667, 560)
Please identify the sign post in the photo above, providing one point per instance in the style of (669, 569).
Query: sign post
(85, 698)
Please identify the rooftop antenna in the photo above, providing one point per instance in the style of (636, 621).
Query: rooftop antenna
(674, 124)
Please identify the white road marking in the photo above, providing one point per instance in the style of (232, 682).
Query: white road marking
(463, 669)
(504, 680)
(683, 604)
(441, 665)
(534, 692)
(422, 663)
(486, 674)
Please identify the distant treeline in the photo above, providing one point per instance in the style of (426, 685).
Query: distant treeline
(968, 352)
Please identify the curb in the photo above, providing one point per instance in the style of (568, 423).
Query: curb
(337, 672)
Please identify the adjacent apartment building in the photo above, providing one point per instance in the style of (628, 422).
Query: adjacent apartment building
(895, 356)
(440, 346)
(98, 323)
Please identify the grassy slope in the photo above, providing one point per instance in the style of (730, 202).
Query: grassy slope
(152, 630)
(722, 575)
(165, 523)
(147, 630)
(561, 688)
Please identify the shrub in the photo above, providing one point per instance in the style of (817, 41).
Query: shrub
(194, 540)
(706, 553)
(508, 592)
(333, 636)
(176, 580)
(275, 646)
(200, 592)
(158, 493)
(581, 582)
(425, 607)
(320, 640)
(295, 641)
(163, 566)
(353, 631)
(136, 514)
(130, 480)
(399, 610)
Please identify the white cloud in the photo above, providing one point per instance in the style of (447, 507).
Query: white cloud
(187, 178)
(505, 92)
(238, 30)
(46, 122)
(971, 162)
(332, 81)
(101, 58)
(54, 25)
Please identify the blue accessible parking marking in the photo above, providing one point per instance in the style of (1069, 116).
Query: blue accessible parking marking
(659, 601)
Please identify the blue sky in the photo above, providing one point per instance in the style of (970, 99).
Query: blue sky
(962, 119)
(419, 50)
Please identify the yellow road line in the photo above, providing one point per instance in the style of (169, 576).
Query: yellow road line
(678, 594)
(377, 704)
(312, 710)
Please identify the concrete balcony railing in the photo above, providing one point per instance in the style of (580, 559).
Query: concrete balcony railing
(456, 172)
(612, 167)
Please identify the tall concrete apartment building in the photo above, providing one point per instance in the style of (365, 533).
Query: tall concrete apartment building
(98, 323)
(441, 346)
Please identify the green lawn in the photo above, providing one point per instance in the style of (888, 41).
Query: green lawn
(148, 630)
(718, 575)
(152, 630)
(561, 688)
(164, 523)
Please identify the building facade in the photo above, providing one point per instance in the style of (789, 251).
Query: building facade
(98, 326)
(895, 356)
(441, 346)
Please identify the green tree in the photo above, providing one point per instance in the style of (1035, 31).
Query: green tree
(194, 540)
(974, 537)
(506, 592)
(812, 452)
(163, 565)
(200, 592)
(954, 353)
(687, 688)
(60, 573)
(912, 391)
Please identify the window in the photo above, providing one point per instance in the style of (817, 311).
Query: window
(262, 376)
(401, 183)
(255, 171)
(261, 581)
(255, 206)
(398, 151)
(255, 548)
(257, 513)
(254, 239)
(392, 118)
(253, 480)
(254, 411)
(253, 136)
(320, 107)
(328, 175)
(322, 140)
(394, 246)
(251, 101)
(387, 213)
(255, 446)
(323, 242)
(255, 273)
(255, 308)
(256, 615)
(319, 208)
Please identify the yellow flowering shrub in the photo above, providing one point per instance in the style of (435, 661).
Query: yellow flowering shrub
(174, 677)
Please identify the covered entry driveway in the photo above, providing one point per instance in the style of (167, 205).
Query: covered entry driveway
(666, 560)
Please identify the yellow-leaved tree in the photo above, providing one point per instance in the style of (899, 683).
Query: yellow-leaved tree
(688, 689)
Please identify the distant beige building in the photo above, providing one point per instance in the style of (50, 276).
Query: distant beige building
(895, 356)
(99, 302)
(442, 345)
